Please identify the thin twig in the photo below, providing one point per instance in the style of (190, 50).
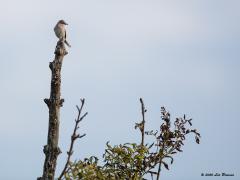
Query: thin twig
(160, 161)
(142, 129)
(161, 151)
(74, 137)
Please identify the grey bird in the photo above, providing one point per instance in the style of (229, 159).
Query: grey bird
(60, 31)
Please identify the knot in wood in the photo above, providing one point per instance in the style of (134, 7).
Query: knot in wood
(51, 65)
(57, 151)
(61, 102)
(46, 149)
(47, 101)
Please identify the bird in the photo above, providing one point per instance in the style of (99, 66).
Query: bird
(60, 31)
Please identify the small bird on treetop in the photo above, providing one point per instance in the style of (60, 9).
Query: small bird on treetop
(60, 31)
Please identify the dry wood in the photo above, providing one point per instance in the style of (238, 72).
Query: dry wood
(51, 150)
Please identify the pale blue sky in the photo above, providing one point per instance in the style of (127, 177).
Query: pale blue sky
(180, 54)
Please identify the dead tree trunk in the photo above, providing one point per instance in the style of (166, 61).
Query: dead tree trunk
(51, 150)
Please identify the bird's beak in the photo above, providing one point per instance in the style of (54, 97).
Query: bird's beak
(65, 23)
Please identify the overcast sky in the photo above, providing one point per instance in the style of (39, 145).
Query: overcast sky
(183, 55)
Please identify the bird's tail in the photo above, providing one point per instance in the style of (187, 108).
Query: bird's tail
(67, 43)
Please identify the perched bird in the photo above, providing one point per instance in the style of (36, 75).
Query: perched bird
(60, 31)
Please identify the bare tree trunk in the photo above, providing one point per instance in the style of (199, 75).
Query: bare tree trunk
(51, 150)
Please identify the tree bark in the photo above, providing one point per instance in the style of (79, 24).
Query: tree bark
(51, 150)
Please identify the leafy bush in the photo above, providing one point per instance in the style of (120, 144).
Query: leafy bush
(132, 161)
